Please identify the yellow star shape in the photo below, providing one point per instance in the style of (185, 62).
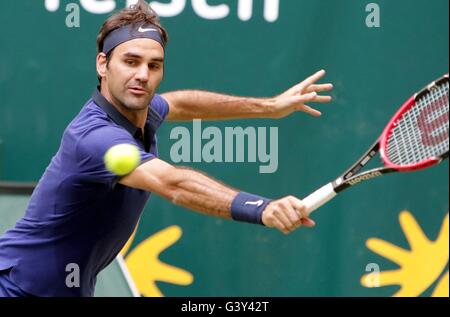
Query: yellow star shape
(145, 267)
(420, 266)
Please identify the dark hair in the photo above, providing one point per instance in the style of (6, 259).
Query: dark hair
(140, 12)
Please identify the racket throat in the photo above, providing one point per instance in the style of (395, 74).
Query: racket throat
(373, 150)
(341, 184)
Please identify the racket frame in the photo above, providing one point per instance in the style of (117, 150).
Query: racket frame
(392, 123)
(350, 177)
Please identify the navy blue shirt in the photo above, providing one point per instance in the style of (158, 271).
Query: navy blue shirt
(78, 213)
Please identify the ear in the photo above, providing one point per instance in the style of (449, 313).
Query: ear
(101, 64)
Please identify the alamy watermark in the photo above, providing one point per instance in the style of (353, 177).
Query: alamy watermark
(373, 278)
(73, 16)
(212, 145)
(73, 278)
(373, 19)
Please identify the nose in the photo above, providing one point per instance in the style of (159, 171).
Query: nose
(142, 74)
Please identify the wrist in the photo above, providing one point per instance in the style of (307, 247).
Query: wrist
(268, 107)
(248, 207)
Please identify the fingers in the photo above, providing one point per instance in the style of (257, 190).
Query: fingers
(307, 90)
(322, 99)
(293, 215)
(302, 86)
(320, 88)
(280, 226)
(311, 79)
(309, 110)
(308, 222)
(286, 215)
(300, 208)
(311, 97)
(305, 98)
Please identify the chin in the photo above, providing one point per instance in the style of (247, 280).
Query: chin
(140, 104)
(137, 107)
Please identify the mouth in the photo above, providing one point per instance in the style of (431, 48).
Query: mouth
(137, 90)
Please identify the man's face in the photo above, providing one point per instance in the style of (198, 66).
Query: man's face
(134, 73)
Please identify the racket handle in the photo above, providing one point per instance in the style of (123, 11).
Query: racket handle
(319, 197)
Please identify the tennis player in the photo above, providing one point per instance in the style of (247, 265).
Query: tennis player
(82, 214)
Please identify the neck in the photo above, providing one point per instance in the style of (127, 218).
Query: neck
(137, 117)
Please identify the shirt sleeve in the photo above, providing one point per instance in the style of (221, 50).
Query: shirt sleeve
(160, 105)
(92, 147)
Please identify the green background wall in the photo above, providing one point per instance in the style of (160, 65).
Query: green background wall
(47, 72)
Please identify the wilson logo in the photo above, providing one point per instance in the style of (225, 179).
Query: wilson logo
(430, 123)
(364, 177)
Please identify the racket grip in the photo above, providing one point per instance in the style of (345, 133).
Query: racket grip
(319, 197)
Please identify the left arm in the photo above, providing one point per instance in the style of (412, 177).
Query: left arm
(194, 104)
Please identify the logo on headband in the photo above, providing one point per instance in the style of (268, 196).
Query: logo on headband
(142, 30)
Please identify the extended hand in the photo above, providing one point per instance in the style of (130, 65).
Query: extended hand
(286, 214)
(294, 99)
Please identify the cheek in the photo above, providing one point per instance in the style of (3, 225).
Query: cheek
(120, 75)
(158, 77)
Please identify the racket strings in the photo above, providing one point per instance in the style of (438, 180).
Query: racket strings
(422, 132)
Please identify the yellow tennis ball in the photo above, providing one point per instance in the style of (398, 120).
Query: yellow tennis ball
(122, 159)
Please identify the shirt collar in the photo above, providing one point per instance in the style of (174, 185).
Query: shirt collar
(114, 114)
(149, 130)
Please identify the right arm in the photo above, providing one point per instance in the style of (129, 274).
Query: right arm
(196, 191)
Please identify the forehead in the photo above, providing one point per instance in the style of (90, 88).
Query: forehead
(147, 48)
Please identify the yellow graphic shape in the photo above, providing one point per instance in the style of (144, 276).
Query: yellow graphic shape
(441, 289)
(146, 268)
(420, 266)
(127, 245)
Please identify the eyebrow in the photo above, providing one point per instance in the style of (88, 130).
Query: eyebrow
(134, 55)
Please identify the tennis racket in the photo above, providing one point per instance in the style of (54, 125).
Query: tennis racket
(415, 138)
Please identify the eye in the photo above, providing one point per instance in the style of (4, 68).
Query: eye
(154, 66)
(130, 62)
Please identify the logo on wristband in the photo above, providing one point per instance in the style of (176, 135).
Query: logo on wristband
(255, 203)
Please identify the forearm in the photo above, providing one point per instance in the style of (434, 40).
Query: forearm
(199, 192)
(193, 190)
(194, 104)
